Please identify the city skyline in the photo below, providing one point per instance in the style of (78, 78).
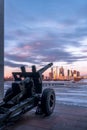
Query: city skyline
(42, 31)
(55, 73)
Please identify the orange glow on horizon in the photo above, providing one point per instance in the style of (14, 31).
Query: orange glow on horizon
(8, 71)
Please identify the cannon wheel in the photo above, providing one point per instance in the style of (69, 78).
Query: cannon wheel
(10, 93)
(48, 101)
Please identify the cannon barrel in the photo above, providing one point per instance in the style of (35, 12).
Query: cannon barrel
(17, 75)
(45, 68)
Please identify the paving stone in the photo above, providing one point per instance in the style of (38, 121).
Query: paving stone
(65, 117)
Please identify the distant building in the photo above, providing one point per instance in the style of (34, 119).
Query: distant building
(61, 71)
(50, 75)
(78, 73)
(75, 73)
(71, 73)
(68, 72)
(54, 75)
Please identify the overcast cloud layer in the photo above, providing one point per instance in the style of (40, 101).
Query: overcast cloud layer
(42, 31)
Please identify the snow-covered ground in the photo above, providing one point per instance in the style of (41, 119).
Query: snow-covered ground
(71, 94)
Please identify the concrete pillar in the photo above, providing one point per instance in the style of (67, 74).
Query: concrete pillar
(1, 48)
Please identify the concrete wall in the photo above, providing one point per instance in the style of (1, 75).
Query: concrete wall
(1, 48)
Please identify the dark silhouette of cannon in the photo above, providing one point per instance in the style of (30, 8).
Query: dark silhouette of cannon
(26, 93)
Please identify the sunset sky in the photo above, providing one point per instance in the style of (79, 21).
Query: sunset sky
(42, 31)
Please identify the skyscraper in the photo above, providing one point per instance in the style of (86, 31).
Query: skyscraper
(78, 73)
(68, 72)
(75, 73)
(61, 71)
(52, 72)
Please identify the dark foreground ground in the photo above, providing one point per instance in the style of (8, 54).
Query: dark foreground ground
(65, 117)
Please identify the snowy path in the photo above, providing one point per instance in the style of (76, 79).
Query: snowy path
(73, 94)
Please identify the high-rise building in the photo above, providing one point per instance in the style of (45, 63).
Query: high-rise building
(78, 73)
(56, 72)
(68, 72)
(61, 71)
(54, 75)
(50, 75)
(75, 73)
(71, 73)
(52, 72)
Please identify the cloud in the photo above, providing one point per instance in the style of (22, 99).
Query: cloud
(46, 50)
(12, 64)
(40, 39)
(49, 48)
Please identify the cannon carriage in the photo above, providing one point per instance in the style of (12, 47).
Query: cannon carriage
(26, 93)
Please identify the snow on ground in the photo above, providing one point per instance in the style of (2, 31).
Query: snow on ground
(72, 94)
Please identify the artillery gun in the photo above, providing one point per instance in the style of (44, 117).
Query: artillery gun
(26, 93)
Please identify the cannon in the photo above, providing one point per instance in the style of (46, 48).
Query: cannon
(25, 93)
